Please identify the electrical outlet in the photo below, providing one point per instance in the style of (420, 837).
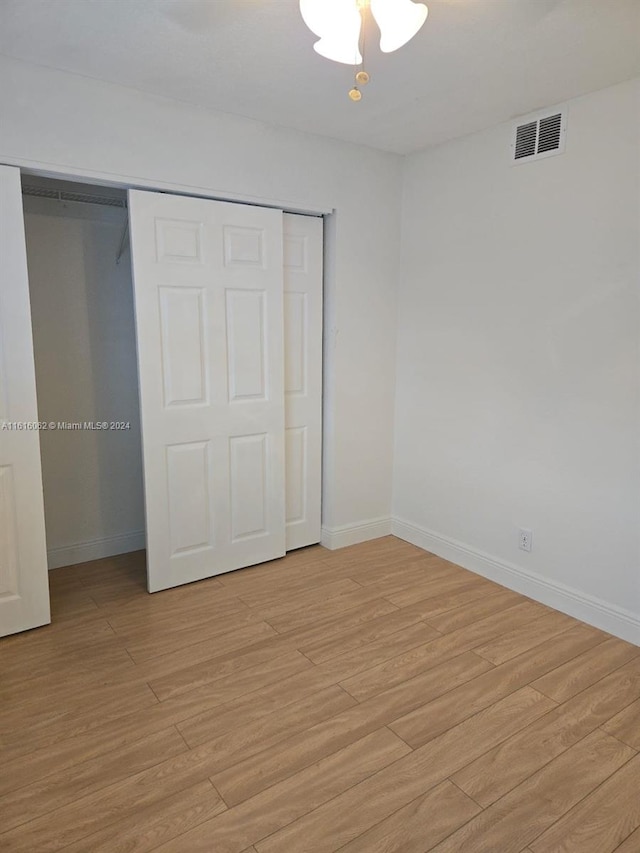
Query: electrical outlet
(525, 539)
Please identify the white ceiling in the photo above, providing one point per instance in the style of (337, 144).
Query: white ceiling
(474, 63)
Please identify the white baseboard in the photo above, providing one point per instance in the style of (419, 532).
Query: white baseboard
(615, 620)
(83, 552)
(352, 534)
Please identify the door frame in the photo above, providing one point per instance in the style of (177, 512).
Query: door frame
(328, 214)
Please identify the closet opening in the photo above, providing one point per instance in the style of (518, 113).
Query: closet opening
(84, 339)
(177, 343)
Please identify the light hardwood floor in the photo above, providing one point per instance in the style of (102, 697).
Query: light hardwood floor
(368, 700)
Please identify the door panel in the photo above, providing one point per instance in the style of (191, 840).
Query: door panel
(303, 377)
(24, 585)
(189, 501)
(249, 511)
(184, 364)
(209, 317)
(246, 344)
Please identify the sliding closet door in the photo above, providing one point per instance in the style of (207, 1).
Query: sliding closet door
(303, 377)
(24, 585)
(209, 316)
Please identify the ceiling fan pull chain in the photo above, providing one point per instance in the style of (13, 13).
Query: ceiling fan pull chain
(362, 77)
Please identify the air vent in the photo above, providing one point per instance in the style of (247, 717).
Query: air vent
(538, 137)
(526, 137)
(549, 131)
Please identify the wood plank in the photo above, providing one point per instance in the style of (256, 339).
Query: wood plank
(241, 743)
(501, 769)
(168, 675)
(376, 653)
(583, 671)
(419, 825)
(264, 576)
(216, 669)
(135, 619)
(307, 615)
(429, 608)
(51, 641)
(432, 718)
(299, 590)
(114, 804)
(216, 648)
(526, 637)
(151, 643)
(385, 675)
(37, 723)
(158, 605)
(626, 725)
(385, 569)
(58, 675)
(333, 625)
(172, 710)
(416, 592)
(271, 606)
(64, 786)
(156, 824)
(346, 641)
(278, 694)
(244, 779)
(630, 844)
(531, 808)
(205, 713)
(355, 811)
(472, 606)
(600, 822)
(281, 804)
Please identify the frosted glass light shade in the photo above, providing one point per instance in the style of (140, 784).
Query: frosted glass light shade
(399, 21)
(338, 23)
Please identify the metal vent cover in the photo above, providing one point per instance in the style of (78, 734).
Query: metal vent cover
(526, 136)
(539, 136)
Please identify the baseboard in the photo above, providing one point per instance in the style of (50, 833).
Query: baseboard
(608, 617)
(83, 552)
(352, 534)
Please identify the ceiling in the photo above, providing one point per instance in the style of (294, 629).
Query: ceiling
(474, 63)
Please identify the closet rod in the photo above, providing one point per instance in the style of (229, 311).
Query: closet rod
(65, 195)
(86, 198)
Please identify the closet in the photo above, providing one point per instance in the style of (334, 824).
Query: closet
(84, 343)
(178, 352)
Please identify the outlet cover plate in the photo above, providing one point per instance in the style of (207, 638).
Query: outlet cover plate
(525, 539)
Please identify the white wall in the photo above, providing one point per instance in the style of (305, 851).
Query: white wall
(86, 370)
(518, 395)
(66, 124)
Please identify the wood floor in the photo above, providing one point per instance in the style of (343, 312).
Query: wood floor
(367, 700)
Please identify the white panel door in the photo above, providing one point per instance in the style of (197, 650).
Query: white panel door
(209, 317)
(303, 377)
(24, 585)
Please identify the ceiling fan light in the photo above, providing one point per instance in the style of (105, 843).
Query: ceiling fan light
(337, 23)
(339, 49)
(399, 21)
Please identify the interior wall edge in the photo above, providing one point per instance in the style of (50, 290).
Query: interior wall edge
(595, 611)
